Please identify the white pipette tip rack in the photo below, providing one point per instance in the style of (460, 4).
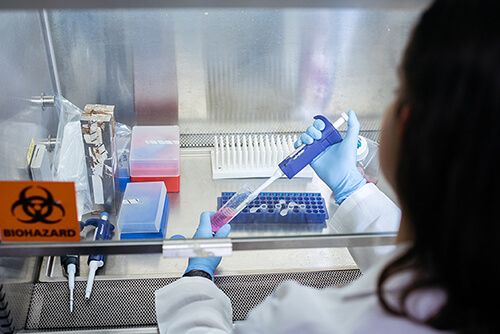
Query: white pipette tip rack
(250, 156)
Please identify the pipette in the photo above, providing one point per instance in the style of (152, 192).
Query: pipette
(71, 267)
(70, 264)
(102, 232)
(290, 166)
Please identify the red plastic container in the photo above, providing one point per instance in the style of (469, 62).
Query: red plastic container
(171, 182)
(155, 155)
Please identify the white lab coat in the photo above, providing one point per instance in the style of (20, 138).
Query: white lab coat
(195, 305)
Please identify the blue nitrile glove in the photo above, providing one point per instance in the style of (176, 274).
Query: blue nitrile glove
(207, 264)
(336, 166)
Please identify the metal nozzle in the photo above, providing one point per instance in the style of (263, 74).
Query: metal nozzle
(44, 100)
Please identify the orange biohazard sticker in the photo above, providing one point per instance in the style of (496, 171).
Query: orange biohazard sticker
(38, 211)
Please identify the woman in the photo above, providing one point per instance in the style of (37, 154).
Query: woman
(439, 150)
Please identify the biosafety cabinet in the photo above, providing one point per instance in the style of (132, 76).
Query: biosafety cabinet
(239, 80)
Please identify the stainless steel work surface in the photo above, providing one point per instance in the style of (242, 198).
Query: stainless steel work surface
(198, 192)
(246, 262)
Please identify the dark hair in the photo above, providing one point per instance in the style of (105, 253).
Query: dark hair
(448, 179)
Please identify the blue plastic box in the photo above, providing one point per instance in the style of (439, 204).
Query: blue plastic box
(144, 211)
(123, 171)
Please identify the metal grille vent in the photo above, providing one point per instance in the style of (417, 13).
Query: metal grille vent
(207, 139)
(129, 303)
(247, 291)
(113, 304)
(16, 299)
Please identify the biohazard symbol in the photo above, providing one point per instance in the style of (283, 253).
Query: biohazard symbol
(36, 208)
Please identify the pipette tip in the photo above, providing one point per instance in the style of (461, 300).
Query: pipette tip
(71, 298)
(88, 291)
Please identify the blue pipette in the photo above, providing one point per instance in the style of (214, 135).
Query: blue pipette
(305, 154)
(102, 232)
(290, 166)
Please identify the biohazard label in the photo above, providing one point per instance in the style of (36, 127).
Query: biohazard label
(38, 211)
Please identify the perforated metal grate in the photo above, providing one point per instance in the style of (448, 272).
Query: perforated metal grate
(17, 298)
(207, 139)
(130, 302)
(113, 304)
(247, 291)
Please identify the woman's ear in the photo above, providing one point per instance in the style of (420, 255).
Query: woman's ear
(402, 121)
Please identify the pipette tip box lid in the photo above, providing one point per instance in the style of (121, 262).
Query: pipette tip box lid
(155, 155)
(144, 211)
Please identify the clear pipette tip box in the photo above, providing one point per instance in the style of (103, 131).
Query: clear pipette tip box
(280, 211)
(155, 155)
(144, 211)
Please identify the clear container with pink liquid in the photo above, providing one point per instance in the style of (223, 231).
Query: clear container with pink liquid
(232, 207)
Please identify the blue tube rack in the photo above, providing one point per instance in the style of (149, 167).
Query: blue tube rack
(280, 211)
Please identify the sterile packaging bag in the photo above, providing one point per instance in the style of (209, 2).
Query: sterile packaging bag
(69, 157)
(123, 136)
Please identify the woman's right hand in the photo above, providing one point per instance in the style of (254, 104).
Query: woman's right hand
(336, 166)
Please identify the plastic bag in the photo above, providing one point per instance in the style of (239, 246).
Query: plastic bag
(123, 137)
(69, 156)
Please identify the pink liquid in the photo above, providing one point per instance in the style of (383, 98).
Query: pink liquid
(222, 217)
(239, 201)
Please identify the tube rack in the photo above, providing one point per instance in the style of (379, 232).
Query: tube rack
(249, 156)
(278, 210)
